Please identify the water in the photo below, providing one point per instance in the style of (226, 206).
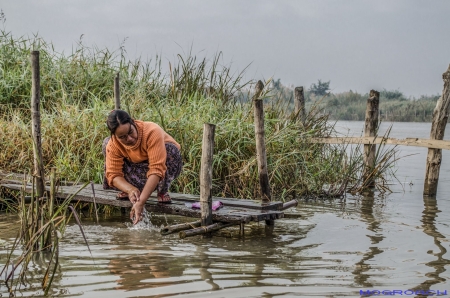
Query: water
(337, 247)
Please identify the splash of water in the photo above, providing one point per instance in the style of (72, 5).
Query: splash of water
(144, 224)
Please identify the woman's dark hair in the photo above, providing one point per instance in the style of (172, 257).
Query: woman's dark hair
(116, 118)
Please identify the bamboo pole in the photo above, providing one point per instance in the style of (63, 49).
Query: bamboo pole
(95, 204)
(370, 130)
(205, 229)
(180, 227)
(117, 92)
(434, 157)
(36, 124)
(300, 104)
(206, 174)
(289, 204)
(261, 145)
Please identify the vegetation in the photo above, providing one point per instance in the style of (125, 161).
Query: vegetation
(350, 105)
(77, 95)
(320, 89)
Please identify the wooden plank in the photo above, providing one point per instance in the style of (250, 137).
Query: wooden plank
(231, 202)
(107, 197)
(416, 142)
(228, 202)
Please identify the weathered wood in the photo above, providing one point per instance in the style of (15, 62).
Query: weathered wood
(36, 124)
(261, 145)
(180, 227)
(415, 142)
(300, 104)
(204, 230)
(232, 202)
(289, 204)
(95, 203)
(434, 157)
(117, 92)
(17, 179)
(108, 197)
(370, 130)
(206, 173)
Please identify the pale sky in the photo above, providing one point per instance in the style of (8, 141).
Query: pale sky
(355, 44)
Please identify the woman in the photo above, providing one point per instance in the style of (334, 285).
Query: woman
(140, 157)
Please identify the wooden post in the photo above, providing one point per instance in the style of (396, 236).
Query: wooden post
(261, 145)
(206, 174)
(300, 103)
(36, 124)
(370, 130)
(434, 157)
(117, 92)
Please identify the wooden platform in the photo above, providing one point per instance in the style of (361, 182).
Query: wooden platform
(234, 210)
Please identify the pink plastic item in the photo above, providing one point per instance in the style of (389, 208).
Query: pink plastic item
(215, 205)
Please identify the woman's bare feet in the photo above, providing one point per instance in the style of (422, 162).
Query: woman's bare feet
(164, 198)
(122, 195)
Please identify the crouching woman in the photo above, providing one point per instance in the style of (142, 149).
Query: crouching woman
(140, 157)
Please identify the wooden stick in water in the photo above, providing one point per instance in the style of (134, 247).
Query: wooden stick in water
(180, 227)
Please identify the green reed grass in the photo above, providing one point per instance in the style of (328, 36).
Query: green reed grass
(78, 95)
(42, 223)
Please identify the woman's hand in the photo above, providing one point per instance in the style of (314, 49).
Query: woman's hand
(137, 212)
(133, 195)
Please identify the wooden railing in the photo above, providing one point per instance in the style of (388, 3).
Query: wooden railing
(416, 142)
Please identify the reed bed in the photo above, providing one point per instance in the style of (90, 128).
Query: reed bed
(77, 95)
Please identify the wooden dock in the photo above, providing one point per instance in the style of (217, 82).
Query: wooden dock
(234, 211)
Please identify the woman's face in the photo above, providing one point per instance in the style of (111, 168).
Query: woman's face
(126, 134)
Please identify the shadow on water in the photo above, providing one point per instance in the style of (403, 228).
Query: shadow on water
(429, 215)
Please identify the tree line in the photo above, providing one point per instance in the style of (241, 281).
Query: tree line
(351, 105)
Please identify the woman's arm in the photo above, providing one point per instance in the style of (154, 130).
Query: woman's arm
(132, 191)
(138, 207)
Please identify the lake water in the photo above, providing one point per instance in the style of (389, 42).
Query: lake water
(337, 248)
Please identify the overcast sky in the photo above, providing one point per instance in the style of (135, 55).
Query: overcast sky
(355, 44)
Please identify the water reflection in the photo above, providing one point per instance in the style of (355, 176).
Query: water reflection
(429, 215)
(202, 264)
(146, 266)
(373, 225)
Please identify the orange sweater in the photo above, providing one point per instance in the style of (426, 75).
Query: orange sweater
(150, 147)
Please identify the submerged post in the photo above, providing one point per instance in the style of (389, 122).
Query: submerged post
(206, 174)
(36, 124)
(261, 145)
(117, 92)
(370, 130)
(300, 104)
(434, 157)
